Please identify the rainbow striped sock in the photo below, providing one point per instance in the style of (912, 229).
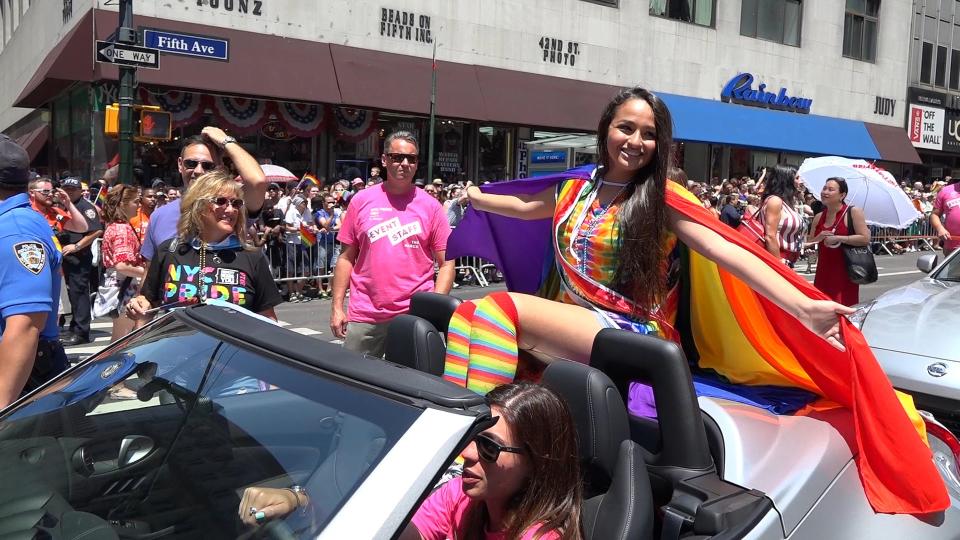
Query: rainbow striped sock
(458, 344)
(493, 343)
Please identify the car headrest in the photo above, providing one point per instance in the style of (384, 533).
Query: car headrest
(415, 343)
(434, 307)
(599, 415)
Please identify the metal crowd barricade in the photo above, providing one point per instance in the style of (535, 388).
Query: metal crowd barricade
(296, 262)
(894, 241)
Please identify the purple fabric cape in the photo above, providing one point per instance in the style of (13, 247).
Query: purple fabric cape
(519, 248)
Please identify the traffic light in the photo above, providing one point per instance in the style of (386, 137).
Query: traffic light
(152, 124)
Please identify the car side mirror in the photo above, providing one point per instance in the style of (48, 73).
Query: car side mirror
(927, 262)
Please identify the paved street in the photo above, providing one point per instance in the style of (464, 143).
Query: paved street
(311, 318)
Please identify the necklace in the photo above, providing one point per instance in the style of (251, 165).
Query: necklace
(618, 184)
(200, 273)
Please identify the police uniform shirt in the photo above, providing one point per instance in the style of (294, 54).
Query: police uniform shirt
(29, 265)
(89, 212)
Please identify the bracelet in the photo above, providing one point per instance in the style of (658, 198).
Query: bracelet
(297, 490)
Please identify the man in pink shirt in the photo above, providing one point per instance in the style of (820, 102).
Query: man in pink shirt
(392, 236)
(946, 216)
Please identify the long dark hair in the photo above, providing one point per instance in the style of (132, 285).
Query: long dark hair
(643, 216)
(781, 182)
(551, 498)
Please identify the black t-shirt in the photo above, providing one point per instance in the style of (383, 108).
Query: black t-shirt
(731, 216)
(233, 275)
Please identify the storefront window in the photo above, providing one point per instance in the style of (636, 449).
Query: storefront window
(495, 149)
(760, 159)
(450, 149)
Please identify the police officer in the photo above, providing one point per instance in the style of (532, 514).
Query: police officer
(78, 262)
(30, 352)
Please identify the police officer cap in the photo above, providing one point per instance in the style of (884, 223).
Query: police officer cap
(14, 163)
(71, 182)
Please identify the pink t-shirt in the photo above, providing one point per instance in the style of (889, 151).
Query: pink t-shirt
(396, 238)
(441, 516)
(948, 204)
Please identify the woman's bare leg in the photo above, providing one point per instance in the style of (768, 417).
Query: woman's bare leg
(554, 328)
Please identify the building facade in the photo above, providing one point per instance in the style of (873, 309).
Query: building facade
(933, 113)
(315, 86)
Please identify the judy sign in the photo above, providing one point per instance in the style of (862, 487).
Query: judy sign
(740, 90)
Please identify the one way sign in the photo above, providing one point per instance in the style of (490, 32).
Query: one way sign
(127, 55)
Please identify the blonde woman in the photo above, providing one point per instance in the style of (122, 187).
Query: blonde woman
(123, 266)
(211, 257)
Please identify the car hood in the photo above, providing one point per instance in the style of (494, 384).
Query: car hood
(922, 318)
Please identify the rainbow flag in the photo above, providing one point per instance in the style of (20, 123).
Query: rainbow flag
(101, 197)
(308, 238)
(750, 340)
(307, 182)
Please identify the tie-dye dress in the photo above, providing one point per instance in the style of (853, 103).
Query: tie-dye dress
(586, 246)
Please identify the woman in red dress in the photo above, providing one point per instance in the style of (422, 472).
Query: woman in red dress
(831, 230)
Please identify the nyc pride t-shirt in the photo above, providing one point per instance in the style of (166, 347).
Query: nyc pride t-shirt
(231, 275)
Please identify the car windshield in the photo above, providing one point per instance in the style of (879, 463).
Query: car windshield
(162, 437)
(951, 270)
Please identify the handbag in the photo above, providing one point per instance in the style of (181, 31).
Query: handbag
(752, 228)
(107, 300)
(861, 266)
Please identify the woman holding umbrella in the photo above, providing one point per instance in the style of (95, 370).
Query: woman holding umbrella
(832, 230)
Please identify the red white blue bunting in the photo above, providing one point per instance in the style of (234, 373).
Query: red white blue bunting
(240, 114)
(302, 119)
(354, 124)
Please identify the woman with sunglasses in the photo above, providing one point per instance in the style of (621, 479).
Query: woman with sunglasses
(211, 257)
(521, 478)
(123, 266)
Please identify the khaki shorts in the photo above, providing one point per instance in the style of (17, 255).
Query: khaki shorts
(367, 338)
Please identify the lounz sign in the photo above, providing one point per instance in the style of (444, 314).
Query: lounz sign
(740, 90)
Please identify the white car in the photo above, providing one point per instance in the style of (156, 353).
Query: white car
(914, 332)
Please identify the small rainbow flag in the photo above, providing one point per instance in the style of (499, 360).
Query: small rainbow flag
(307, 182)
(306, 237)
(101, 197)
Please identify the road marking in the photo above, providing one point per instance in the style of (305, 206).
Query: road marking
(306, 331)
(105, 325)
(283, 323)
(86, 349)
(336, 341)
(901, 273)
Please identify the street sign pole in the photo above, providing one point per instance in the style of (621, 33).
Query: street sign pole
(127, 35)
(433, 111)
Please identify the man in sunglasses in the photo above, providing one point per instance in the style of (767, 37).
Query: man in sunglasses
(55, 206)
(201, 154)
(392, 236)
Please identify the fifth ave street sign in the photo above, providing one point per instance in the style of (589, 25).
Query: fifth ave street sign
(127, 55)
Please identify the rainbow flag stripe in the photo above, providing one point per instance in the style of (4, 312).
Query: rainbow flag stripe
(307, 237)
(101, 197)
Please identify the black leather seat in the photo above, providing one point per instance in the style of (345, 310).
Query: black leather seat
(417, 340)
(618, 503)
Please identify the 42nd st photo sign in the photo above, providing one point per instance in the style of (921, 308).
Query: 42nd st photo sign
(127, 55)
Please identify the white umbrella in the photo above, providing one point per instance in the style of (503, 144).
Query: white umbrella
(872, 189)
(276, 173)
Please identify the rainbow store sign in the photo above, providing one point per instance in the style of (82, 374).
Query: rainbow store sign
(740, 90)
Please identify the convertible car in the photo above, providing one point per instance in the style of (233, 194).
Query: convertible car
(913, 333)
(158, 436)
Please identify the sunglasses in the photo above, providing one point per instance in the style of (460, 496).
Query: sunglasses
(223, 201)
(489, 450)
(398, 158)
(192, 164)
(47, 192)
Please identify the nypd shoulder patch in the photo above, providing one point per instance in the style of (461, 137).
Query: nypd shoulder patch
(90, 213)
(31, 255)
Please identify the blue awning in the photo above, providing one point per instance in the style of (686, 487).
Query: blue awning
(704, 120)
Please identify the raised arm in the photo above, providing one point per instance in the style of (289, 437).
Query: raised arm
(820, 316)
(524, 206)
